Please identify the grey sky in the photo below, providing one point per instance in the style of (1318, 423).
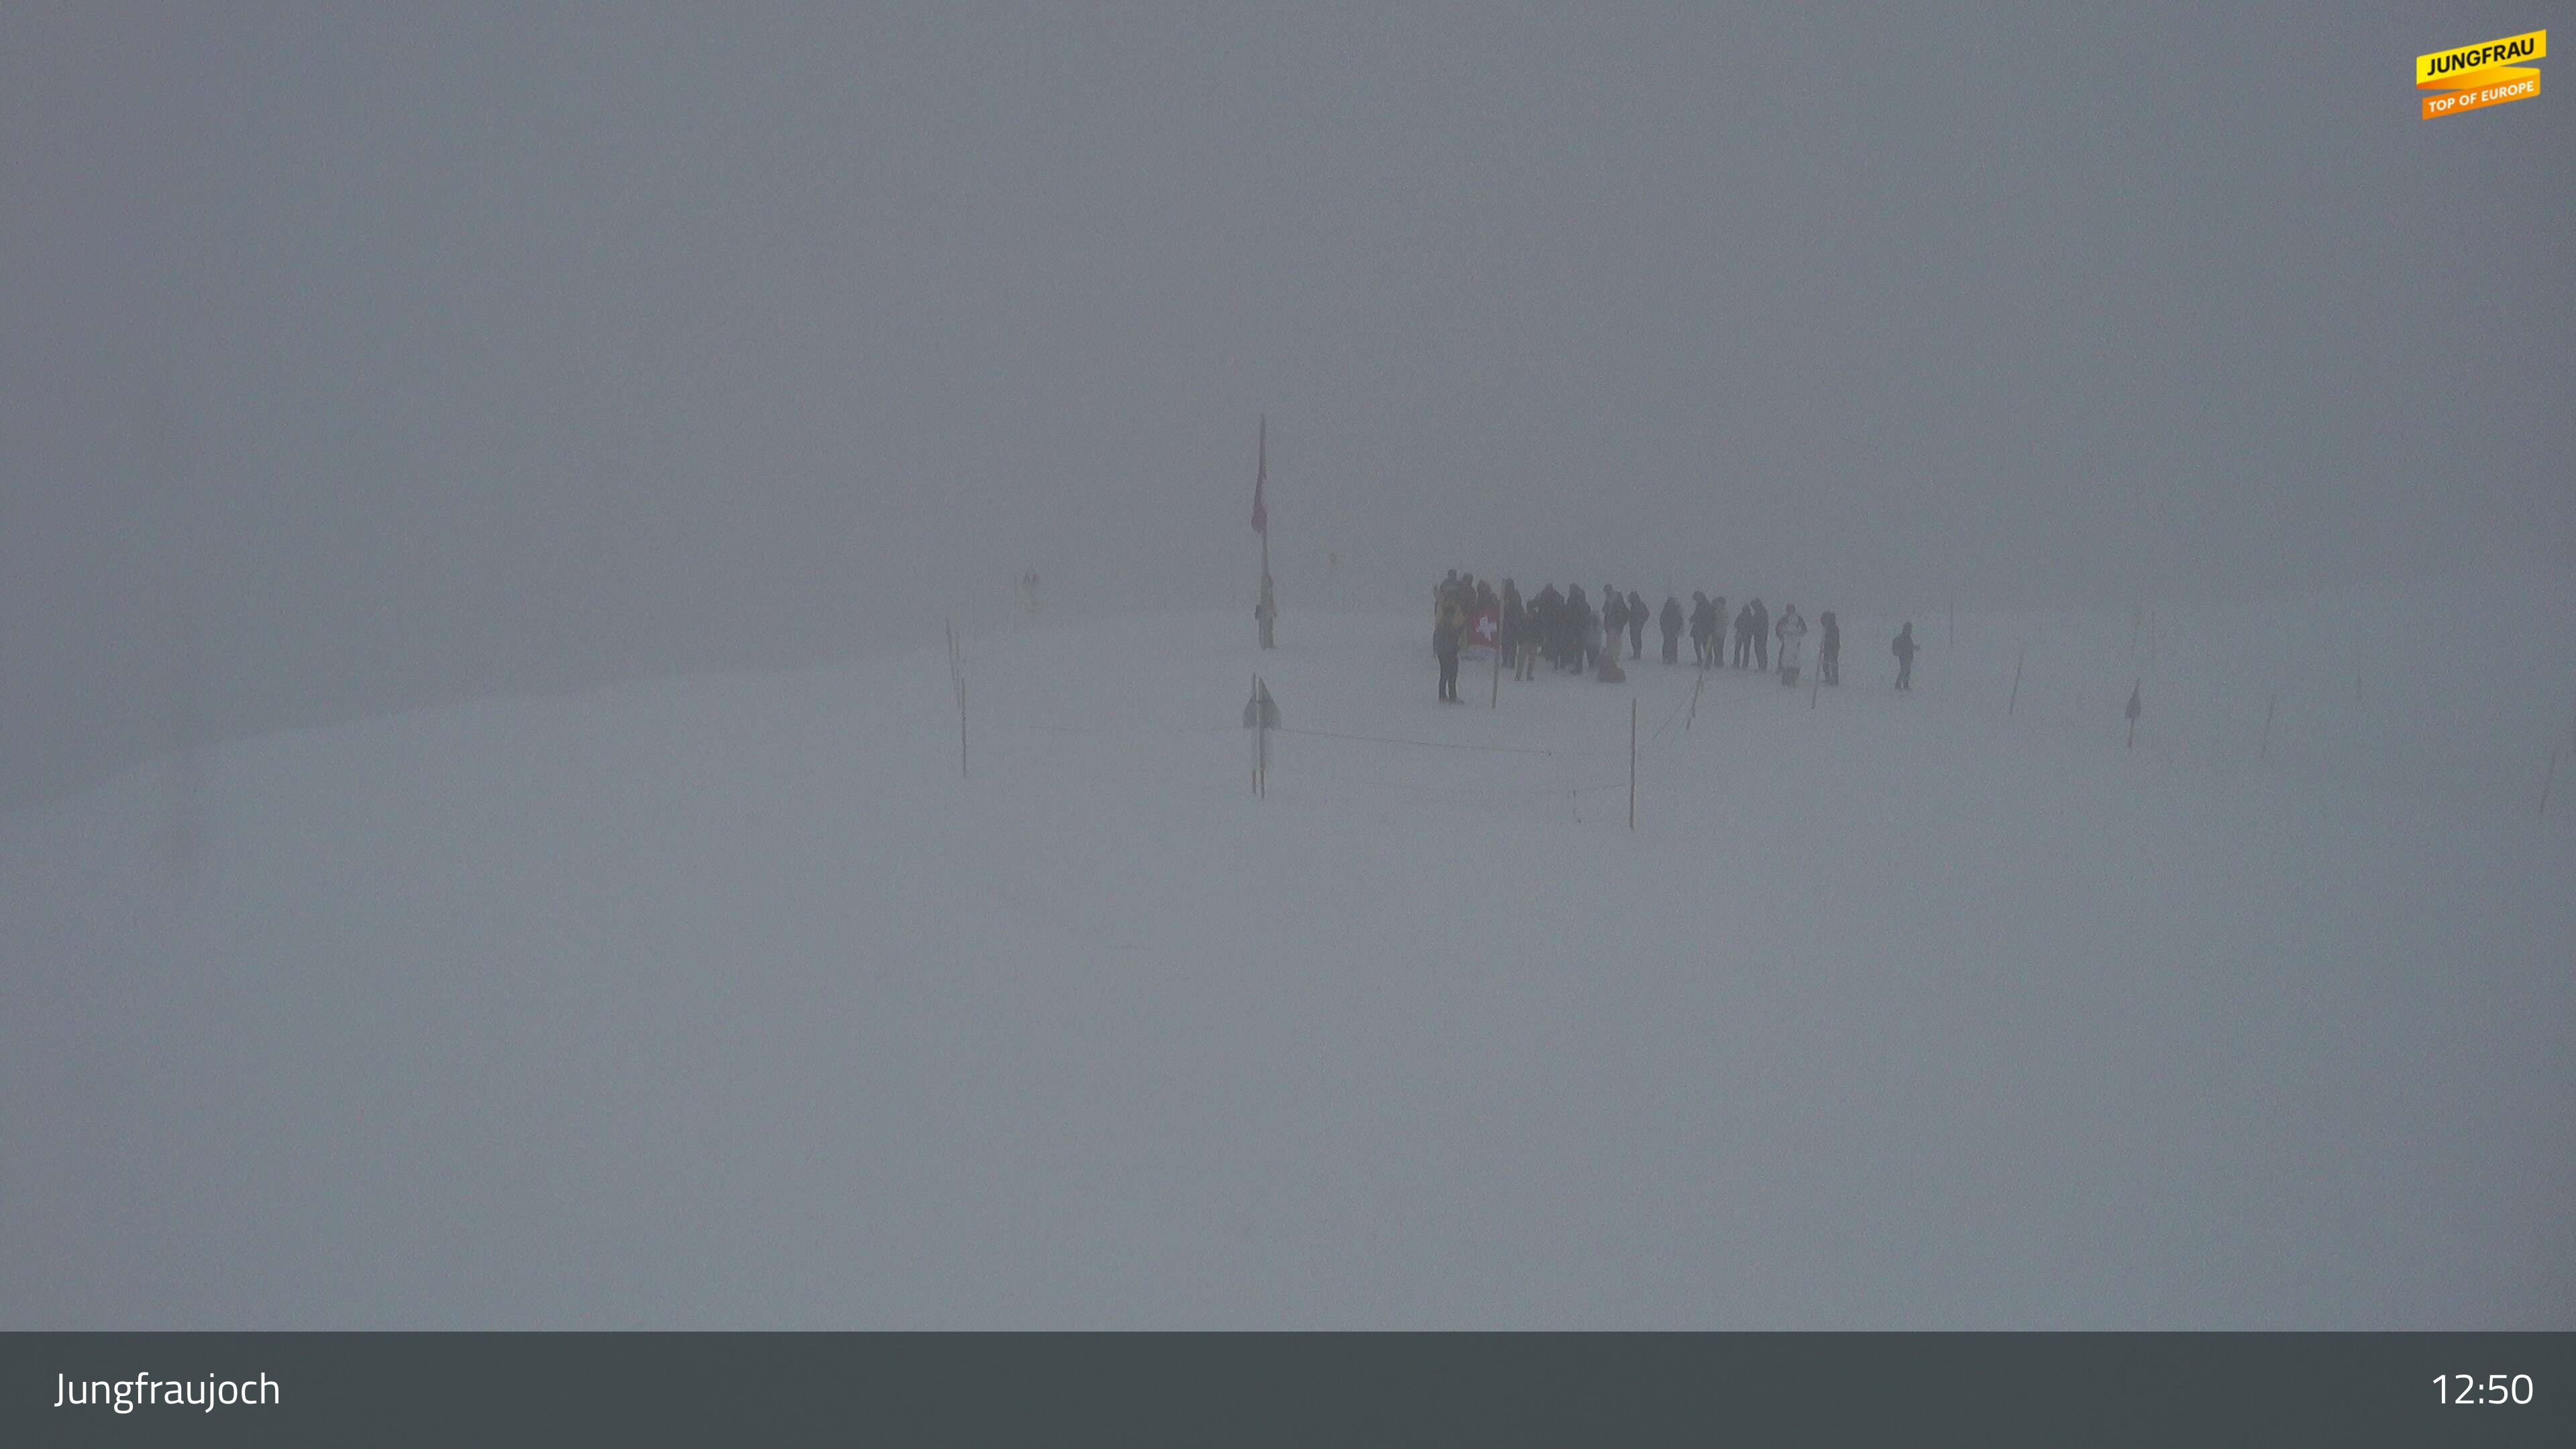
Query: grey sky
(413, 352)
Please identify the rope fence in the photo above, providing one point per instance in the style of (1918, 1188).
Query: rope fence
(2269, 715)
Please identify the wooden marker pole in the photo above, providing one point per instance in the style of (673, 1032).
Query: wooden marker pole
(957, 686)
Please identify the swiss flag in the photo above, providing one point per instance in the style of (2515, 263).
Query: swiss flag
(1486, 629)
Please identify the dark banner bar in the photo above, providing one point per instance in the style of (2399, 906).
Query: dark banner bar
(1479, 1389)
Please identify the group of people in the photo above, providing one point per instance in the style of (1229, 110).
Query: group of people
(1568, 633)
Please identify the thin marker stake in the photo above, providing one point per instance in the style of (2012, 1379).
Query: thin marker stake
(1631, 761)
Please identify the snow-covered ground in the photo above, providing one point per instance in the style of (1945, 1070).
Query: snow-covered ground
(724, 1001)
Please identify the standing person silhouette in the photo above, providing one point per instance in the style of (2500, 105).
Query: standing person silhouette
(1445, 638)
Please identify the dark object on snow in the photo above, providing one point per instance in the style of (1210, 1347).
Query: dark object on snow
(1904, 650)
(2134, 709)
(1829, 649)
(1636, 625)
(1670, 621)
(1261, 709)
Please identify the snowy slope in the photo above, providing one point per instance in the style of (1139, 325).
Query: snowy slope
(724, 1001)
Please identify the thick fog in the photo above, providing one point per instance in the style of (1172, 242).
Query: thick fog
(357, 357)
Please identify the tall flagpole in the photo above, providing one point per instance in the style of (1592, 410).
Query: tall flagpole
(1266, 612)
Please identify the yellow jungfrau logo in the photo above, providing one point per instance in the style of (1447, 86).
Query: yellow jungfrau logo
(2475, 76)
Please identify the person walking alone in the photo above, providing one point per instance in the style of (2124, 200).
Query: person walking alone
(1904, 649)
(1829, 649)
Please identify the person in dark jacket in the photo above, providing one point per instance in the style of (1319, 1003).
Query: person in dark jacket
(1829, 649)
(1545, 627)
(1670, 621)
(1904, 649)
(1444, 642)
(1744, 636)
(1761, 636)
(1614, 619)
(1700, 612)
(1637, 616)
(1581, 630)
(1515, 621)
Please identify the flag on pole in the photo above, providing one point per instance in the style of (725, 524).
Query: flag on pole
(1484, 633)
